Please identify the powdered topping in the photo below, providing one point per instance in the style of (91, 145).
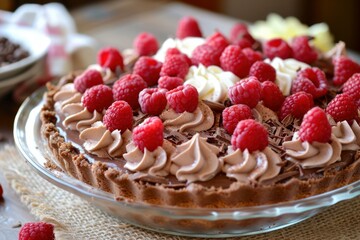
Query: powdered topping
(186, 46)
(286, 70)
(154, 163)
(195, 160)
(251, 167)
(103, 143)
(108, 75)
(348, 136)
(211, 82)
(200, 120)
(312, 155)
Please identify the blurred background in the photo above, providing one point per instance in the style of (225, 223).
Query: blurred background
(343, 17)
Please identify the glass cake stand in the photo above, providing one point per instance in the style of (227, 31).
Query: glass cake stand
(172, 220)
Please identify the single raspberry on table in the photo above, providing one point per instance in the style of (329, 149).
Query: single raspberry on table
(252, 55)
(37, 231)
(118, 116)
(342, 107)
(232, 59)
(188, 27)
(110, 58)
(271, 96)
(310, 80)
(149, 69)
(183, 98)
(97, 98)
(207, 55)
(277, 47)
(170, 83)
(149, 134)
(152, 100)
(218, 41)
(249, 135)
(315, 127)
(175, 51)
(352, 88)
(232, 115)
(174, 66)
(344, 68)
(247, 92)
(146, 44)
(296, 105)
(128, 87)
(302, 50)
(263, 71)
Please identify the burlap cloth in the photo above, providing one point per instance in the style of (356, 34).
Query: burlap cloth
(74, 218)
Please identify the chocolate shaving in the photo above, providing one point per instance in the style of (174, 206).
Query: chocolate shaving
(217, 107)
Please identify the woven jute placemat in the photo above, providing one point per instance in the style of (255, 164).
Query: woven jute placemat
(76, 219)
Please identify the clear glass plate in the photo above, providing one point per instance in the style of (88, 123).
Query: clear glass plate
(171, 220)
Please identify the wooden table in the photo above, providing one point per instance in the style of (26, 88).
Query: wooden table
(111, 24)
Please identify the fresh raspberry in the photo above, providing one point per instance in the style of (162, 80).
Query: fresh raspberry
(188, 27)
(97, 98)
(110, 58)
(149, 134)
(118, 116)
(302, 50)
(174, 66)
(344, 68)
(271, 96)
(243, 43)
(296, 105)
(249, 135)
(232, 59)
(146, 44)
(218, 41)
(342, 107)
(152, 100)
(247, 92)
(127, 88)
(277, 47)
(149, 69)
(315, 127)
(232, 115)
(252, 55)
(206, 54)
(169, 83)
(237, 31)
(88, 79)
(183, 98)
(263, 71)
(175, 51)
(37, 231)
(310, 80)
(352, 88)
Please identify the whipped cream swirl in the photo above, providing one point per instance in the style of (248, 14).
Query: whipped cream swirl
(286, 70)
(99, 141)
(77, 117)
(186, 46)
(348, 136)
(200, 120)
(155, 163)
(251, 167)
(195, 160)
(211, 82)
(312, 155)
